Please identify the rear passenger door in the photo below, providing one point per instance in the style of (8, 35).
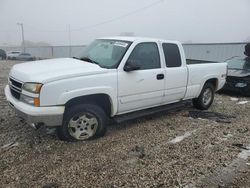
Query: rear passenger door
(176, 73)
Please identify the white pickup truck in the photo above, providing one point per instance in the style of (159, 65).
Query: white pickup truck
(113, 77)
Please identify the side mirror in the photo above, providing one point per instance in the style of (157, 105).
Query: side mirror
(130, 67)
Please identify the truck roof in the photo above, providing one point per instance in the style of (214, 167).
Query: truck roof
(132, 39)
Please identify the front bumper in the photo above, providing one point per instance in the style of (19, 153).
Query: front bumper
(50, 116)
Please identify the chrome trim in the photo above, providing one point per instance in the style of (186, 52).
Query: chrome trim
(16, 89)
(16, 80)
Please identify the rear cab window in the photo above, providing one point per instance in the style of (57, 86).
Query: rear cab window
(172, 55)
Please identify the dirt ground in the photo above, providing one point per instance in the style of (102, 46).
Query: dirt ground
(170, 149)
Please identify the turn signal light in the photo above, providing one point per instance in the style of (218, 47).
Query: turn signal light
(36, 102)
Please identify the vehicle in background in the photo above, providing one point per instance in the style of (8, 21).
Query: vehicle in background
(115, 78)
(24, 57)
(12, 55)
(2, 54)
(238, 78)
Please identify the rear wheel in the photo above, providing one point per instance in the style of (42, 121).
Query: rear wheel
(83, 122)
(206, 97)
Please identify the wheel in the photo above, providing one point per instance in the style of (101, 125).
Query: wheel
(206, 97)
(83, 122)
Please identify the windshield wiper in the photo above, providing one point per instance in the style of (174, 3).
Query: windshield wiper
(89, 60)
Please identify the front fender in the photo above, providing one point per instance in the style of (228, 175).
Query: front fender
(68, 95)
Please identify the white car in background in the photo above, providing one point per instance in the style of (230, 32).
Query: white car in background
(13, 54)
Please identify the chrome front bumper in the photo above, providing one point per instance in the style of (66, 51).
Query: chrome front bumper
(50, 116)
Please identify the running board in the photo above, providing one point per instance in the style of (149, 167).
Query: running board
(151, 111)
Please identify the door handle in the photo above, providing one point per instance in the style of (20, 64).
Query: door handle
(160, 76)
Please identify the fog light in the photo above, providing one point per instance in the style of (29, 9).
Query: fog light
(240, 85)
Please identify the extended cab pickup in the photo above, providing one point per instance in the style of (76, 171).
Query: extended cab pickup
(112, 77)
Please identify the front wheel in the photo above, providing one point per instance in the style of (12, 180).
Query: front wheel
(83, 122)
(206, 97)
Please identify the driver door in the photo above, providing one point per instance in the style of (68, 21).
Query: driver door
(142, 88)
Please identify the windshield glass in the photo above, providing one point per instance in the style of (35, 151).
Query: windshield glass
(104, 52)
(239, 64)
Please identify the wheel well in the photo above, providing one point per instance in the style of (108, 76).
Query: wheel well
(213, 81)
(102, 100)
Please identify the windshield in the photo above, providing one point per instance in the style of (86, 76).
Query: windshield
(104, 52)
(242, 64)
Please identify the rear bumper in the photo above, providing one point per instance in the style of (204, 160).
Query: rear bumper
(50, 116)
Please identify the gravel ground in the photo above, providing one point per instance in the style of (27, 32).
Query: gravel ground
(139, 153)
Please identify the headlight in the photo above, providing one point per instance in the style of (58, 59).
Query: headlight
(32, 87)
(31, 93)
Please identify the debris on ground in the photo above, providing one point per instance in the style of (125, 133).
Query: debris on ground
(241, 146)
(214, 116)
(180, 138)
(138, 151)
(243, 130)
(50, 131)
(51, 185)
(243, 102)
(234, 99)
(10, 145)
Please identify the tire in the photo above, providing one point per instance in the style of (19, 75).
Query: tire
(83, 122)
(206, 97)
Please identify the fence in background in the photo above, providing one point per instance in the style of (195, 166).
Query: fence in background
(49, 51)
(214, 52)
(209, 52)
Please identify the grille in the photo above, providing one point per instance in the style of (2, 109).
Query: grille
(15, 88)
(233, 79)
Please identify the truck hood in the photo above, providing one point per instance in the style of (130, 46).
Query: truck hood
(238, 72)
(54, 69)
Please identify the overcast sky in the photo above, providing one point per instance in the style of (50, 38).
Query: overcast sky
(184, 20)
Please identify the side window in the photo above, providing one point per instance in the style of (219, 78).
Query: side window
(146, 56)
(172, 55)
